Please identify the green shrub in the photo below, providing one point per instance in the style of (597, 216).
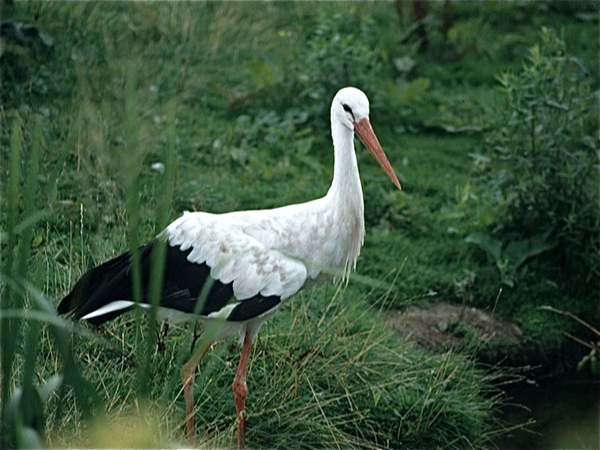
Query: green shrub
(541, 170)
(342, 48)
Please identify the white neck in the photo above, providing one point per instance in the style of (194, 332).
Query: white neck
(346, 180)
(345, 193)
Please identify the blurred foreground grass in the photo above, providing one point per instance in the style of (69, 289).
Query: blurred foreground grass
(238, 96)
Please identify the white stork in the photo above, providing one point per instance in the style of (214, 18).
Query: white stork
(249, 262)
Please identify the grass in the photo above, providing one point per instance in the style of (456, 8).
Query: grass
(324, 373)
(234, 100)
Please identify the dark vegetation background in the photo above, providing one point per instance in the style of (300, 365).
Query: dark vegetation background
(487, 110)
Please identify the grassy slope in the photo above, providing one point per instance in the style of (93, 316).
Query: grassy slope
(234, 153)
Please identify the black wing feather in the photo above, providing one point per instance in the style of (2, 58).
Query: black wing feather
(183, 283)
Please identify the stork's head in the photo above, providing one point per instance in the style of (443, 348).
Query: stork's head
(350, 107)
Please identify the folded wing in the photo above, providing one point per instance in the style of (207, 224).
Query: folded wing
(233, 276)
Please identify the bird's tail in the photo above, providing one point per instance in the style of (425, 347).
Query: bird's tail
(106, 291)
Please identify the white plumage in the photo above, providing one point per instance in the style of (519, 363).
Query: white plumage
(256, 259)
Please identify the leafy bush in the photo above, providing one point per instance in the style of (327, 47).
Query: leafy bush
(340, 50)
(541, 173)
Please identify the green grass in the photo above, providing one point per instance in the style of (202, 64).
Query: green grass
(249, 90)
(324, 373)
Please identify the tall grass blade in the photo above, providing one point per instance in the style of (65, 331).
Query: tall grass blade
(29, 199)
(30, 398)
(159, 252)
(86, 395)
(9, 328)
(24, 423)
(130, 174)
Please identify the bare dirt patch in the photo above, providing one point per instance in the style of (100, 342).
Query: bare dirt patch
(445, 326)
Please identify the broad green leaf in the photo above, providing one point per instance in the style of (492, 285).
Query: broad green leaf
(487, 243)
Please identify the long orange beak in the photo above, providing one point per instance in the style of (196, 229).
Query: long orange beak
(367, 136)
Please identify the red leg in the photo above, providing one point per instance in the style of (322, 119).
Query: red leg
(188, 393)
(240, 390)
(188, 373)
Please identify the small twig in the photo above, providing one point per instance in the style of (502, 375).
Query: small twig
(572, 316)
(580, 341)
(496, 302)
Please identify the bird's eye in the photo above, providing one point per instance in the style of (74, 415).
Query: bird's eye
(348, 110)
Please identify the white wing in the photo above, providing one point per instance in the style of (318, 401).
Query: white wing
(234, 256)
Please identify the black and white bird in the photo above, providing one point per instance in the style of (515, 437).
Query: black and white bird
(249, 262)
